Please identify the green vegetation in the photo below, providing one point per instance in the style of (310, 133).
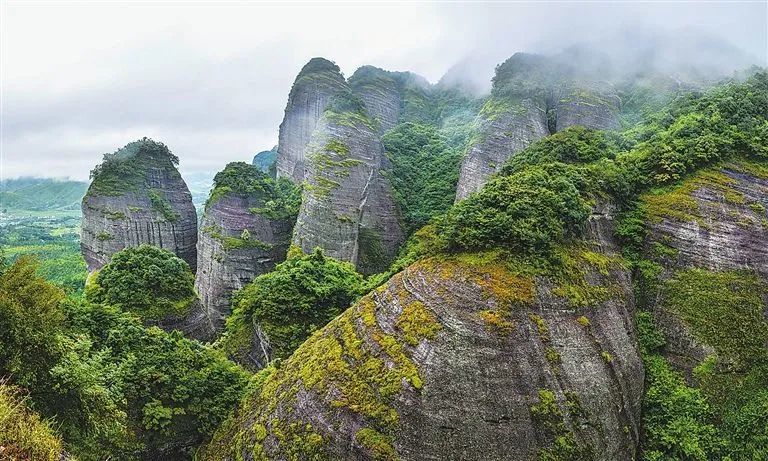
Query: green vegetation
(266, 161)
(424, 173)
(276, 199)
(23, 435)
(55, 241)
(528, 211)
(115, 388)
(365, 367)
(41, 194)
(125, 170)
(300, 296)
(146, 280)
(161, 205)
(538, 200)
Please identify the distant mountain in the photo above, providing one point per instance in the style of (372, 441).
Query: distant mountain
(41, 194)
(265, 159)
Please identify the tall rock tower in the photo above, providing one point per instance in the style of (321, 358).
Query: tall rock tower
(137, 196)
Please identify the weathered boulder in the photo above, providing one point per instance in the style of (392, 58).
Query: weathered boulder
(460, 358)
(245, 232)
(137, 196)
(347, 207)
(317, 82)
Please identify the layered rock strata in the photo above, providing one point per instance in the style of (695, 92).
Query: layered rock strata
(147, 202)
(236, 244)
(458, 358)
(317, 82)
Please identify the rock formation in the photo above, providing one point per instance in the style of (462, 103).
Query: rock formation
(532, 97)
(138, 196)
(715, 221)
(241, 237)
(318, 81)
(347, 207)
(329, 139)
(266, 161)
(458, 358)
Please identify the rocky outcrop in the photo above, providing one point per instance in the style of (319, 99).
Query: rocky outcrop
(266, 161)
(245, 232)
(715, 221)
(458, 358)
(347, 207)
(532, 97)
(382, 94)
(590, 104)
(317, 82)
(503, 130)
(137, 196)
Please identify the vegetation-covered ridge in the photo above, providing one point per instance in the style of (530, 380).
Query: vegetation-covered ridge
(145, 280)
(126, 169)
(275, 198)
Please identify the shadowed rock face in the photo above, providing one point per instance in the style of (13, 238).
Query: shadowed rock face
(317, 82)
(532, 97)
(226, 261)
(157, 210)
(715, 221)
(347, 207)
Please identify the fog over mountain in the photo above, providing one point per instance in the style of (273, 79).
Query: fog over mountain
(210, 80)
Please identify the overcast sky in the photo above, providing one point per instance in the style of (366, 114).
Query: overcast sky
(211, 80)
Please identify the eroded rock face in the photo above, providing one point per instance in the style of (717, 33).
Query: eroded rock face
(158, 212)
(226, 260)
(510, 130)
(317, 82)
(457, 358)
(532, 97)
(347, 207)
(714, 221)
(590, 104)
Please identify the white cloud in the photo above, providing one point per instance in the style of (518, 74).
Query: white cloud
(210, 80)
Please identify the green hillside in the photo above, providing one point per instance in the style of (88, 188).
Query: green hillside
(41, 194)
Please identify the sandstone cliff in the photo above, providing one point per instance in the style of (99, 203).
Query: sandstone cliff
(461, 358)
(318, 81)
(532, 97)
(246, 231)
(138, 196)
(706, 237)
(347, 208)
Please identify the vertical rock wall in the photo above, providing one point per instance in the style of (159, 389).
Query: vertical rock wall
(317, 82)
(226, 260)
(158, 212)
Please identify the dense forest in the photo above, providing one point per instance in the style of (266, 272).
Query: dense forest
(313, 355)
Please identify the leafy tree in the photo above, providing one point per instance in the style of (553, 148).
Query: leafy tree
(146, 280)
(30, 324)
(301, 295)
(527, 211)
(279, 198)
